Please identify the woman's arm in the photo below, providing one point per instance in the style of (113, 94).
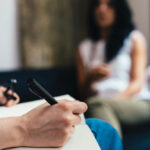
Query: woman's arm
(86, 78)
(138, 68)
(81, 74)
(11, 133)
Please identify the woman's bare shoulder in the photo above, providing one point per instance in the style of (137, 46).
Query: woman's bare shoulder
(138, 36)
(85, 43)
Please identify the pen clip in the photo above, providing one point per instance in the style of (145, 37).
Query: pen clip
(40, 91)
(33, 91)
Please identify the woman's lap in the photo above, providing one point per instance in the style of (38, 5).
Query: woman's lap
(118, 112)
(106, 136)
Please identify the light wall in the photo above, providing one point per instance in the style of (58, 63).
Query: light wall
(9, 56)
(141, 10)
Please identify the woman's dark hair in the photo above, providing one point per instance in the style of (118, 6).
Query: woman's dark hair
(120, 30)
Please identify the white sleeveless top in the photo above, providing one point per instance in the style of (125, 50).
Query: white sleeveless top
(119, 66)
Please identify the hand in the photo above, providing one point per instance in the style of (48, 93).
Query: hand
(3, 99)
(100, 72)
(51, 126)
(121, 96)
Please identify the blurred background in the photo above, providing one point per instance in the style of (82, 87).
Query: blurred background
(38, 38)
(45, 33)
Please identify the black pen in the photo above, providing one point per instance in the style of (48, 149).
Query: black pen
(38, 90)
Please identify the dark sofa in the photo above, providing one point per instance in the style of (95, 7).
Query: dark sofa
(59, 81)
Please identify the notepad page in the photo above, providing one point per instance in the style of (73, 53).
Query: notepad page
(82, 139)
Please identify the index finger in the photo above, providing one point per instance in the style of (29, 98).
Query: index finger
(78, 107)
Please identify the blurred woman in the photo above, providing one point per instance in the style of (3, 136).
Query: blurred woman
(111, 62)
(111, 65)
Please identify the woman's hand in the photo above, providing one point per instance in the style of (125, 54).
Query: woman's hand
(121, 96)
(133, 88)
(100, 72)
(52, 126)
(3, 99)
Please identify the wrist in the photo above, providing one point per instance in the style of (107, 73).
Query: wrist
(26, 139)
(20, 131)
(12, 132)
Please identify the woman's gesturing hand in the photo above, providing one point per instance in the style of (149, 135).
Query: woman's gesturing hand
(100, 72)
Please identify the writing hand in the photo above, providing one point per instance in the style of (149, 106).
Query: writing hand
(52, 126)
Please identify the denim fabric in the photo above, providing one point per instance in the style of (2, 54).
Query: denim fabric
(106, 136)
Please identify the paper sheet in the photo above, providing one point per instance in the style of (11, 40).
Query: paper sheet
(82, 139)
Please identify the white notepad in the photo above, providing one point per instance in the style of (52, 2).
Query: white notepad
(82, 139)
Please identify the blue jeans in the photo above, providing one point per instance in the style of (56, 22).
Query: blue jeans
(106, 136)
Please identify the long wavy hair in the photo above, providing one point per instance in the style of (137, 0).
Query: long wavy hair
(121, 28)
